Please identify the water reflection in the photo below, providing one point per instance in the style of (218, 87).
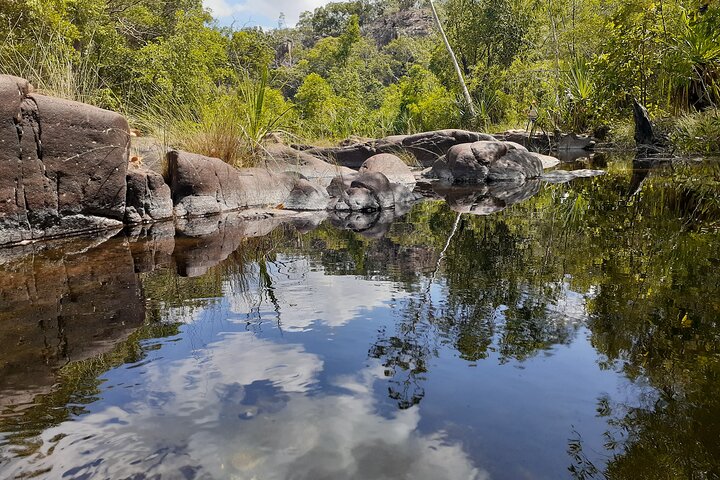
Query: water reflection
(573, 331)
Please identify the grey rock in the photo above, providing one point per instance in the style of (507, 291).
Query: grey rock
(280, 158)
(148, 197)
(378, 185)
(307, 196)
(391, 166)
(204, 185)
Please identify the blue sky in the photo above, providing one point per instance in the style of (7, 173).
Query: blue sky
(263, 13)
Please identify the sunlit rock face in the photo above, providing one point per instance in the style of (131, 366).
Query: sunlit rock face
(62, 165)
(487, 161)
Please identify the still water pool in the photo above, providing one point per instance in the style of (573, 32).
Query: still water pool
(572, 335)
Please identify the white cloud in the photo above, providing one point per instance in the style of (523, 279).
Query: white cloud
(262, 12)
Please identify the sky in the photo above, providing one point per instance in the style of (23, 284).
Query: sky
(263, 13)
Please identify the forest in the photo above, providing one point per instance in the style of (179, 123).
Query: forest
(370, 68)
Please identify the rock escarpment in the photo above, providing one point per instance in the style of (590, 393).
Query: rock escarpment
(62, 165)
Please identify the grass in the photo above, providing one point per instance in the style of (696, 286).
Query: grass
(697, 132)
(227, 124)
(56, 69)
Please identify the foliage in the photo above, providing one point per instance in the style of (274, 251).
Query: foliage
(131, 56)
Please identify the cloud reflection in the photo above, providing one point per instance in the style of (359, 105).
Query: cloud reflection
(245, 407)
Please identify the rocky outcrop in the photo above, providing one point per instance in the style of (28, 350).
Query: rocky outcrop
(391, 166)
(486, 161)
(279, 158)
(148, 197)
(204, 185)
(369, 191)
(62, 165)
(424, 147)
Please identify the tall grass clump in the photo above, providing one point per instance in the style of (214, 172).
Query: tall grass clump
(55, 68)
(698, 132)
(228, 123)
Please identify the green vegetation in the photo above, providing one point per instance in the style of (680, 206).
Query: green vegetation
(374, 67)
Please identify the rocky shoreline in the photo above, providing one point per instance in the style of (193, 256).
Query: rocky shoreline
(65, 170)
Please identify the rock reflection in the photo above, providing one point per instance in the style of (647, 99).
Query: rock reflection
(62, 306)
(488, 198)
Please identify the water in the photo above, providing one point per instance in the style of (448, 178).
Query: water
(572, 335)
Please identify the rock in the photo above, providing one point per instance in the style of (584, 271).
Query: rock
(515, 166)
(643, 126)
(307, 196)
(204, 185)
(546, 160)
(470, 162)
(370, 191)
(575, 142)
(426, 147)
(379, 187)
(62, 165)
(359, 199)
(339, 185)
(148, 197)
(391, 166)
(486, 161)
(535, 140)
(281, 158)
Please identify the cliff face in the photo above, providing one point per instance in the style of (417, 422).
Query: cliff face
(412, 22)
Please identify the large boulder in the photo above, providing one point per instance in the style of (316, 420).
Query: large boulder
(62, 165)
(425, 147)
(391, 166)
(279, 158)
(486, 161)
(204, 185)
(148, 197)
(369, 191)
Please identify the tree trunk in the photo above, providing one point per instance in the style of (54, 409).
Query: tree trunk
(466, 93)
